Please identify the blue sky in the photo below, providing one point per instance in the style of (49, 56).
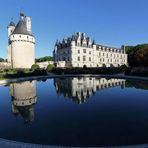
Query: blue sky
(109, 22)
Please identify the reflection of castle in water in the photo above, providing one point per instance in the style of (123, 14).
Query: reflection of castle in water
(23, 99)
(80, 89)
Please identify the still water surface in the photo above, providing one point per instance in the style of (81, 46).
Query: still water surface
(75, 112)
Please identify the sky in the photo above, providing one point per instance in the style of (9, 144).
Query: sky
(108, 22)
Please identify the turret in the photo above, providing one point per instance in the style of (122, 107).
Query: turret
(11, 28)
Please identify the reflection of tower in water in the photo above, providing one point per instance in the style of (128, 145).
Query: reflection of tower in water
(23, 99)
(80, 89)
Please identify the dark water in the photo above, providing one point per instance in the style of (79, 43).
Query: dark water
(75, 112)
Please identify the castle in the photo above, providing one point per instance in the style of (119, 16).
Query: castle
(21, 43)
(80, 51)
(76, 51)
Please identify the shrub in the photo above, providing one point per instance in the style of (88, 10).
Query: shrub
(50, 67)
(39, 72)
(35, 67)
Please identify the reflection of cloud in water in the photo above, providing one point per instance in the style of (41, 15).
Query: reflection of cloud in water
(80, 89)
(23, 99)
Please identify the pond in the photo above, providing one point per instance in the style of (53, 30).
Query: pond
(85, 111)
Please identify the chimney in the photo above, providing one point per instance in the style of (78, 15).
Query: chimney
(28, 24)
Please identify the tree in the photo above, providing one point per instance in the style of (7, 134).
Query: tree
(44, 59)
(2, 60)
(137, 55)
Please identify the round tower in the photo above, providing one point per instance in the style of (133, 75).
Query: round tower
(21, 44)
(11, 28)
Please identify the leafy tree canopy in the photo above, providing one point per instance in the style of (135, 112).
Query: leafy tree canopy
(137, 55)
(2, 60)
(44, 59)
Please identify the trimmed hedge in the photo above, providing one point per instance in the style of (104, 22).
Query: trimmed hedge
(22, 73)
(85, 70)
(35, 67)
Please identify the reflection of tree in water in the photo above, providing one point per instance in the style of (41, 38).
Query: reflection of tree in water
(81, 89)
(137, 84)
(23, 99)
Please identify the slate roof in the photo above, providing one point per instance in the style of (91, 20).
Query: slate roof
(21, 28)
(98, 45)
(11, 24)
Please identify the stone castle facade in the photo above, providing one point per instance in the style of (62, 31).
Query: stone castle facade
(21, 43)
(80, 51)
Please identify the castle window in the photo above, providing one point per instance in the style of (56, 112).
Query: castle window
(89, 52)
(84, 50)
(78, 51)
(20, 36)
(89, 58)
(27, 37)
(84, 58)
(78, 58)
